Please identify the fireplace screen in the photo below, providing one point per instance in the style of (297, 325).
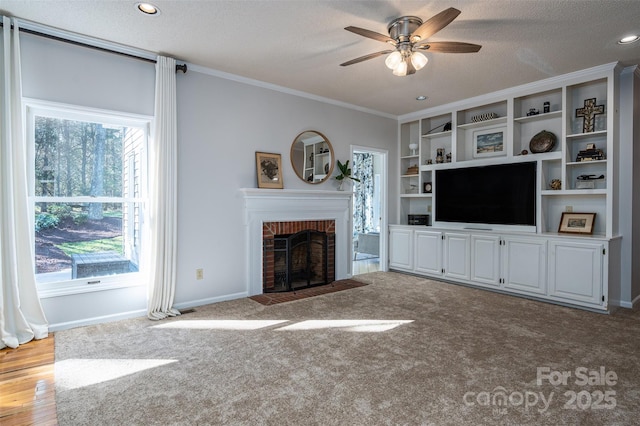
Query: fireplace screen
(298, 260)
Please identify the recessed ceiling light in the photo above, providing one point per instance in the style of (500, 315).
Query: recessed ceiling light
(421, 98)
(629, 39)
(148, 8)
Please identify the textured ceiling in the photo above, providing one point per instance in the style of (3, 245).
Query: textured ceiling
(299, 44)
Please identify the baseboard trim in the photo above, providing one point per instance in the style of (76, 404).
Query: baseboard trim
(97, 320)
(210, 300)
(629, 305)
(141, 312)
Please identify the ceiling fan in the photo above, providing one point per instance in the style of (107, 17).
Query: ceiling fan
(408, 34)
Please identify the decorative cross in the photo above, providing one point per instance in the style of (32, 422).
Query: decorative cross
(588, 113)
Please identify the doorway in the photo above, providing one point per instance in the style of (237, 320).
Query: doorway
(369, 219)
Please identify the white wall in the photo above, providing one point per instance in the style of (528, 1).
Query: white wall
(629, 181)
(221, 124)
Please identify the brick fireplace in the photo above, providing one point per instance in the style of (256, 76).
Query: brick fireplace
(297, 254)
(287, 212)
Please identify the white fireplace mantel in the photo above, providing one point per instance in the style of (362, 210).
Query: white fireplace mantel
(281, 205)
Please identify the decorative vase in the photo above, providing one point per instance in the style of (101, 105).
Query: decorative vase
(440, 155)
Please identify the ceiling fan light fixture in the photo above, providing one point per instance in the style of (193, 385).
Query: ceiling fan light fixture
(418, 60)
(401, 69)
(393, 60)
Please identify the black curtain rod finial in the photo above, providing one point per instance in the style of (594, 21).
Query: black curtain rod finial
(182, 68)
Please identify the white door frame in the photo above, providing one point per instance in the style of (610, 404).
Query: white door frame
(384, 205)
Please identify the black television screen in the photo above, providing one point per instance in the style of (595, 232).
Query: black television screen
(503, 194)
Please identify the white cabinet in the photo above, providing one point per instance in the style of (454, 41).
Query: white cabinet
(524, 263)
(568, 270)
(400, 248)
(457, 253)
(428, 256)
(576, 271)
(512, 263)
(485, 259)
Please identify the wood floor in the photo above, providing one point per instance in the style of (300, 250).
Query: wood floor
(27, 393)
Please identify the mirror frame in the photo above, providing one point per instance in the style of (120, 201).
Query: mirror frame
(301, 174)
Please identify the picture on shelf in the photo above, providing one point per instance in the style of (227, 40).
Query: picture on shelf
(577, 223)
(489, 142)
(269, 170)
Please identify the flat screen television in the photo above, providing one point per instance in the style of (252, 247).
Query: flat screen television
(502, 194)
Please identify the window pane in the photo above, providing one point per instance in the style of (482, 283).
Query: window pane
(80, 158)
(79, 240)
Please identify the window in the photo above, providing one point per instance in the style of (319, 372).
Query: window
(88, 186)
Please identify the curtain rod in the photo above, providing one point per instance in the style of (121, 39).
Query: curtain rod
(179, 67)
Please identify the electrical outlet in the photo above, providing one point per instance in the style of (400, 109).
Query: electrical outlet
(199, 274)
(568, 209)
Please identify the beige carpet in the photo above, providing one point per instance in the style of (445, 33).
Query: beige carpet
(401, 350)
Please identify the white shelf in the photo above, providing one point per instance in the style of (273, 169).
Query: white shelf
(410, 176)
(587, 135)
(551, 192)
(584, 163)
(538, 117)
(436, 134)
(409, 157)
(485, 123)
(415, 195)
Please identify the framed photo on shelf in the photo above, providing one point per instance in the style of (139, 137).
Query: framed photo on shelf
(489, 142)
(577, 223)
(269, 170)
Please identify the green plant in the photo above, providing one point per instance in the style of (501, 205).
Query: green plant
(61, 211)
(345, 172)
(80, 218)
(45, 221)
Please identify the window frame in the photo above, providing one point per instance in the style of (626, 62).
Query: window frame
(35, 107)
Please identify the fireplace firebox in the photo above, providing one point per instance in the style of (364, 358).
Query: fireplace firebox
(300, 259)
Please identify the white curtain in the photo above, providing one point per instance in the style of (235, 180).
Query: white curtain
(163, 194)
(21, 315)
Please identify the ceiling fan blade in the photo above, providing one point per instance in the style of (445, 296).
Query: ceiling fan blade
(435, 24)
(365, 57)
(371, 34)
(449, 47)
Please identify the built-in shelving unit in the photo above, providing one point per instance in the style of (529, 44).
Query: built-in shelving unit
(519, 113)
(497, 128)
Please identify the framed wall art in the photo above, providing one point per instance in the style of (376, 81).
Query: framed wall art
(577, 223)
(489, 142)
(269, 170)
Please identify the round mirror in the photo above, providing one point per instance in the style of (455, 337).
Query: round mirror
(312, 156)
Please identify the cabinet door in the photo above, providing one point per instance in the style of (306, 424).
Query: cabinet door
(575, 271)
(401, 248)
(485, 259)
(456, 256)
(525, 265)
(428, 259)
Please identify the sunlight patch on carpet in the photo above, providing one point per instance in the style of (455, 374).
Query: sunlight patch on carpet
(366, 326)
(220, 324)
(78, 373)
